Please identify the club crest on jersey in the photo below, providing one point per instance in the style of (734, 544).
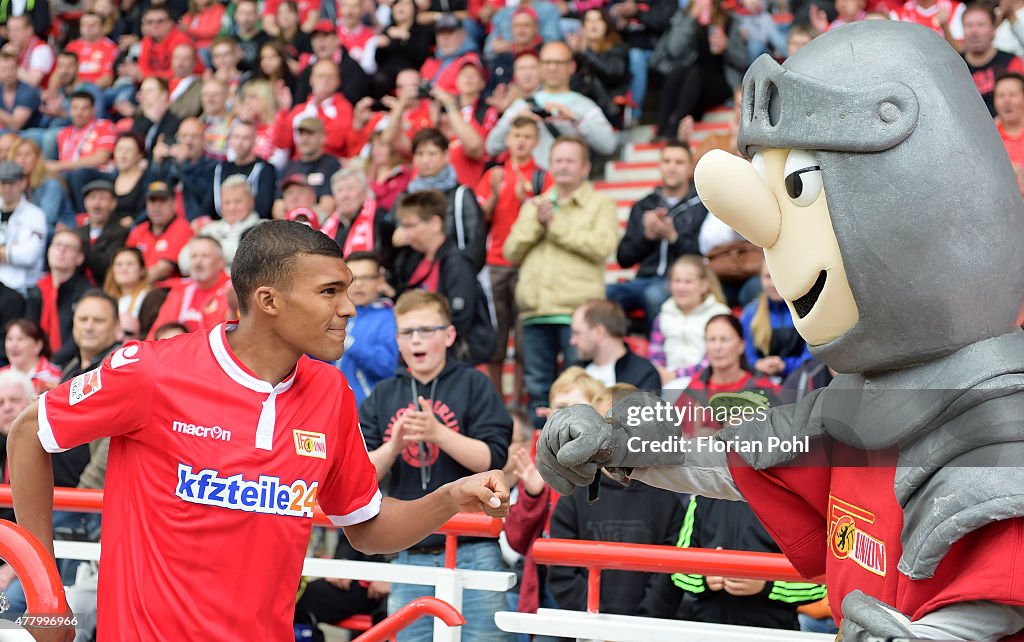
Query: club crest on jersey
(847, 539)
(267, 495)
(84, 386)
(310, 444)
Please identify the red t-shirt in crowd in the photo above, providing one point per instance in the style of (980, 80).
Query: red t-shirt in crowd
(355, 41)
(336, 115)
(844, 521)
(155, 57)
(212, 479)
(194, 307)
(74, 144)
(470, 170)
(204, 26)
(1014, 145)
(506, 210)
(166, 246)
(95, 59)
(912, 12)
(305, 8)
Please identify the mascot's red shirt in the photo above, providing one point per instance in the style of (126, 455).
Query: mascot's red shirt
(845, 523)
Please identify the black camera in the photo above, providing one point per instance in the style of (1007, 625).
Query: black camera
(540, 111)
(423, 91)
(378, 105)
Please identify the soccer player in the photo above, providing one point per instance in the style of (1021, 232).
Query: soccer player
(221, 444)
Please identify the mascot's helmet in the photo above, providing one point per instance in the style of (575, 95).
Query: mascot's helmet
(922, 197)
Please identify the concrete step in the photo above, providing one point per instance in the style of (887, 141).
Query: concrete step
(631, 171)
(642, 153)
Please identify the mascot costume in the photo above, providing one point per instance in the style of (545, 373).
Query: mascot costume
(893, 227)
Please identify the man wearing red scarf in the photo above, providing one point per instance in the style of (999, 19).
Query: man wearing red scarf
(58, 291)
(200, 302)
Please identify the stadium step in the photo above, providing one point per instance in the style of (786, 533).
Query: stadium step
(629, 171)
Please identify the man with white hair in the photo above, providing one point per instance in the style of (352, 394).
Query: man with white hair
(238, 214)
(357, 223)
(199, 302)
(16, 393)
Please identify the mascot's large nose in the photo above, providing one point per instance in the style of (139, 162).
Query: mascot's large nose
(733, 191)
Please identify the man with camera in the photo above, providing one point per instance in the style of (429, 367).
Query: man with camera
(559, 111)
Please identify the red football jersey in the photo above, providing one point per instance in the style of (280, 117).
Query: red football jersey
(212, 478)
(95, 59)
(912, 12)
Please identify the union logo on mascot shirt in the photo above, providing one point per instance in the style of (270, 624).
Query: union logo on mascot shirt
(847, 539)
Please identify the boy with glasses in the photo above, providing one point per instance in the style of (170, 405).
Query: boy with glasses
(437, 421)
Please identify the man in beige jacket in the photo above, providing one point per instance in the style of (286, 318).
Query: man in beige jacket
(561, 239)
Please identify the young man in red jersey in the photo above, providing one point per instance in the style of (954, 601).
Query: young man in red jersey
(222, 442)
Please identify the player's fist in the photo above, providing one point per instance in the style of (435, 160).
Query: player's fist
(481, 493)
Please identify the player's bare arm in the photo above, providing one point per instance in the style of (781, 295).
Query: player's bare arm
(401, 524)
(32, 475)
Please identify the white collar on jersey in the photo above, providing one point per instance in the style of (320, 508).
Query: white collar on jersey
(268, 414)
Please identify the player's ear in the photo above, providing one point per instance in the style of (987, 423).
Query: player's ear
(267, 300)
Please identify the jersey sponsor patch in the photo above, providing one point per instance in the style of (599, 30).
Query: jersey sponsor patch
(310, 444)
(267, 495)
(125, 356)
(847, 539)
(84, 386)
(210, 432)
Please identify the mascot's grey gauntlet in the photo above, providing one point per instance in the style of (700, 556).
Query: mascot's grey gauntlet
(866, 619)
(577, 442)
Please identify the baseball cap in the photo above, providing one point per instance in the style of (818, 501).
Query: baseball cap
(473, 60)
(158, 189)
(98, 184)
(294, 179)
(10, 172)
(311, 125)
(447, 22)
(528, 11)
(304, 212)
(324, 26)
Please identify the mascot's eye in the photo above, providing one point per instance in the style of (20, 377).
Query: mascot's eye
(758, 162)
(803, 177)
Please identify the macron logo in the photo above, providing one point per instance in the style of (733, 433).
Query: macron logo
(214, 432)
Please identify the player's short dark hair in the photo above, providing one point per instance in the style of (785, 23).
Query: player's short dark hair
(96, 293)
(84, 95)
(1010, 75)
(426, 204)
(430, 135)
(678, 144)
(267, 254)
(608, 314)
(363, 256)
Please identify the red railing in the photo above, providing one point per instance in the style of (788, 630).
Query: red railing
(599, 556)
(403, 617)
(44, 592)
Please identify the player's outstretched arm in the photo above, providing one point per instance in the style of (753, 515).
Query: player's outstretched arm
(31, 477)
(401, 524)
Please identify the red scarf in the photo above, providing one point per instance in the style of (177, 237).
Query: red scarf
(360, 236)
(49, 319)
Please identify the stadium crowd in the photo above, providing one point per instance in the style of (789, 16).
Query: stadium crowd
(447, 146)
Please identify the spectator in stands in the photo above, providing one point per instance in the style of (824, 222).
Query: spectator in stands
(301, 17)
(201, 301)
(19, 101)
(727, 371)
(388, 176)
(848, 10)
(797, 37)
(774, 348)
(183, 165)
(52, 300)
(259, 107)
(713, 56)
(344, 135)
(155, 121)
(354, 83)
(359, 223)
(598, 333)
(1008, 98)
(720, 523)
(410, 112)
(55, 103)
(371, 354)
(12, 306)
(297, 194)
(131, 176)
(602, 65)
(237, 217)
(38, 13)
(500, 54)
(636, 514)
(101, 234)
(561, 241)
(641, 24)
(162, 236)
(28, 351)
(464, 221)
(1010, 32)
(215, 117)
(185, 84)
(466, 118)
(227, 58)
(404, 44)
(762, 35)
(984, 61)
(406, 438)
(525, 82)
(274, 67)
(161, 37)
(35, 57)
(203, 21)
(944, 17)
(16, 393)
(261, 175)
(547, 17)
(44, 191)
(501, 193)
(677, 346)
(810, 376)
(561, 111)
(248, 33)
(85, 145)
(664, 225)
(317, 166)
(432, 261)
(452, 44)
(355, 36)
(23, 230)
(127, 284)
(96, 56)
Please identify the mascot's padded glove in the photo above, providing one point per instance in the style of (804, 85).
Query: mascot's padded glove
(865, 619)
(577, 442)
